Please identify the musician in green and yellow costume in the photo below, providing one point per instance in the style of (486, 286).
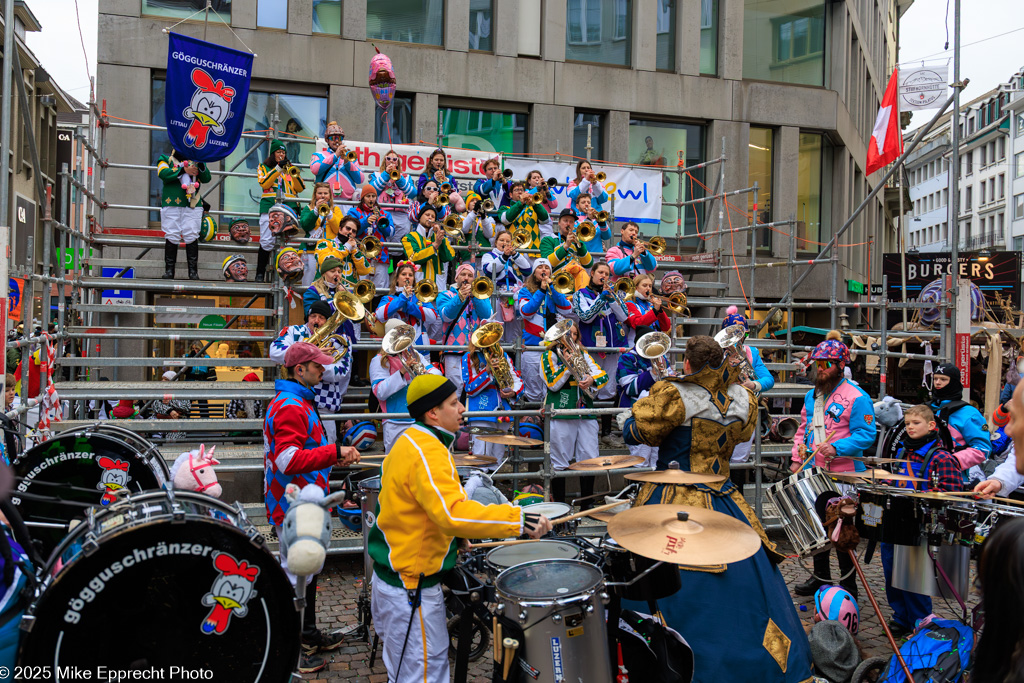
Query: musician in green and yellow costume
(738, 618)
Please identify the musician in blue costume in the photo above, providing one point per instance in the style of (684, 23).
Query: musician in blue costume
(738, 618)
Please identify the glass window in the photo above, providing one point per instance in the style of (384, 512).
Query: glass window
(480, 25)
(488, 131)
(400, 118)
(981, 155)
(579, 136)
(327, 17)
(179, 9)
(1020, 126)
(585, 39)
(970, 162)
(159, 143)
(784, 40)
(406, 21)
(657, 142)
(814, 183)
(969, 196)
(666, 35)
(1018, 164)
(273, 14)
(300, 118)
(1018, 207)
(709, 37)
(759, 170)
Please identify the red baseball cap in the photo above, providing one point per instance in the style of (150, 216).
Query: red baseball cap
(304, 352)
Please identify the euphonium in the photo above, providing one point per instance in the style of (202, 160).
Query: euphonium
(398, 342)
(731, 341)
(572, 355)
(365, 290)
(346, 306)
(482, 287)
(603, 216)
(370, 247)
(426, 291)
(564, 283)
(521, 238)
(486, 338)
(586, 231)
(676, 303)
(600, 176)
(654, 347)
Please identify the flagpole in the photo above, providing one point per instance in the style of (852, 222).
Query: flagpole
(954, 192)
(206, 18)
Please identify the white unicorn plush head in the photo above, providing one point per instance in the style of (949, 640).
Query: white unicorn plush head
(193, 471)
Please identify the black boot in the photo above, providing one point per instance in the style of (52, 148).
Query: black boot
(846, 569)
(822, 575)
(261, 265)
(586, 489)
(192, 256)
(170, 257)
(558, 490)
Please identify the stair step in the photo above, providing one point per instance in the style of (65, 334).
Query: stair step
(110, 362)
(171, 333)
(185, 308)
(181, 266)
(165, 391)
(156, 243)
(182, 285)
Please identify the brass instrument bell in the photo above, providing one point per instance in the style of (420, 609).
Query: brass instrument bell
(600, 176)
(440, 200)
(351, 156)
(676, 303)
(365, 291)
(586, 231)
(486, 206)
(323, 210)
(603, 216)
(521, 238)
(370, 247)
(624, 287)
(446, 188)
(394, 175)
(564, 283)
(482, 287)
(453, 225)
(425, 290)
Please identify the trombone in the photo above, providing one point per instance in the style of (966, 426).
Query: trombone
(623, 288)
(365, 291)
(521, 238)
(586, 231)
(676, 303)
(656, 246)
(564, 283)
(602, 216)
(425, 290)
(453, 225)
(371, 247)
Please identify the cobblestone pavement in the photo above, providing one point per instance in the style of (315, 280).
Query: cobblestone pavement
(341, 583)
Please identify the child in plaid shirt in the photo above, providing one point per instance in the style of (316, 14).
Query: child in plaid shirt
(928, 459)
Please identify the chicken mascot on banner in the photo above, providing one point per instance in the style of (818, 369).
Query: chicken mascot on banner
(383, 85)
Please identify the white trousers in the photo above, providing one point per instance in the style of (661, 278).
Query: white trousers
(309, 269)
(741, 453)
(610, 364)
(426, 649)
(380, 278)
(181, 223)
(392, 430)
(402, 226)
(533, 382)
(573, 440)
(267, 239)
(453, 370)
(648, 453)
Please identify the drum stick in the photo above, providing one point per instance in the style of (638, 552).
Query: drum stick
(511, 645)
(495, 638)
(584, 513)
(495, 544)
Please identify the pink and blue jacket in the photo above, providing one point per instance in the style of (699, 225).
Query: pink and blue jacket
(967, 426)
(343, 176)
(533, 306)
(849, 420)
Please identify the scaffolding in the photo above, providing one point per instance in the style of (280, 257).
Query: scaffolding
(80, 332)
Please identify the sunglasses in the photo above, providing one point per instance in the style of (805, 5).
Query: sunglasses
(393, 160)
(335, 137)
(825, 364)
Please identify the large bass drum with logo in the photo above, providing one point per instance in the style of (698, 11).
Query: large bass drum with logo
(78, 469)
(892, 440)
(167, 580)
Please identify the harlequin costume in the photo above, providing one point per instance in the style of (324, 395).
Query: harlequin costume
(482, 395)
(327, 167)
(739, 618)
(517, 216)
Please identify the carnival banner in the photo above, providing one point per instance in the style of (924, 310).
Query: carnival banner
(1000, 274)
(207, 88)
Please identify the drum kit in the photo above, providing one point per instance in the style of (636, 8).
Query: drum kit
(191, 582)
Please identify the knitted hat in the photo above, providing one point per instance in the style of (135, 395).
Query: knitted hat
(251, 377)
(833, 651)
(275, 145)
(321, 307)
(124, 409)
(424, 209)
(541, 261)
(733, 317)
(329, 263)
(470, 196)
(426, 392)
(367, 190)
(334, 129)
(465, 266)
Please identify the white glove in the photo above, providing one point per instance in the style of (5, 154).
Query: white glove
(621, 418)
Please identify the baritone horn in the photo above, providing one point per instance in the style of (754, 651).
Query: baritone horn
(370, 247)
(586, 231)
(365, 290)
(603, 216)
(425, 290)
(398, 342)
(564, 283)
(482, 287)
(521, 238)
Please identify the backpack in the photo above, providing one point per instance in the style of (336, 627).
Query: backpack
(938, 653)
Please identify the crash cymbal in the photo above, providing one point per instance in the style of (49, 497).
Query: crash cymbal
(683, 534)
(870, 460)
(473, 460)
(872, 475)
(510, 440)
(608, 462)
(674, 476)
(606, 515)
(480, 430)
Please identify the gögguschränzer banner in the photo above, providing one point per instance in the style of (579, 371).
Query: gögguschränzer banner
(207, 88)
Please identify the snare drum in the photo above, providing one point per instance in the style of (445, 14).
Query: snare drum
(622, 566)
(500, 559)
(794, 498)
(550, 510)
(562, 604)
(890, 515)
(87, 465)
(169, 580)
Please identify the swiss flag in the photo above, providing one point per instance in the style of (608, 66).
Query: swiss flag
(886, 139)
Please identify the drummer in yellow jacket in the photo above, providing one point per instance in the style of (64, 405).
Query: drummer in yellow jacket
(422, 511)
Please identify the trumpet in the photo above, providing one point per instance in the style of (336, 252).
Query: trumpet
(600, 177)
(371, 247)
(530, 200)
(482, 287)
(365, 290)
(446, 188)
(676, 303)
(486, 206)
(425, 290)
(323, 210)
(453, 225)
(603, 216)
(351, 156)
(440, 200)
(521, 238)
(398, 342)
(586, 231)
(564, 283)
(551, 182)
(394, 175)
(507, 173)
(296, 175)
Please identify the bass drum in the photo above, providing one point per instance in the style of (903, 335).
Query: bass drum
(894, 437)
(83, 467)
(189, 577)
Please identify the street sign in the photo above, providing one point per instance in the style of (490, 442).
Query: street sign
(876, 289)
(114, 297)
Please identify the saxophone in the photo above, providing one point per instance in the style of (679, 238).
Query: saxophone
(486, 338)
(346, 307)
(571, 354)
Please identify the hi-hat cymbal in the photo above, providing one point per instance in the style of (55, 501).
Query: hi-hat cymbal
(674, 476)
(608, 462)
(683, 534)
(473, 460)
(871, 475)
(510, 440)
(480, 430)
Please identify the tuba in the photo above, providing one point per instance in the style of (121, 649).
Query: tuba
(571, 353)
(731, 341)
(346, 307)
(486, 338)
(654, 347)
(398, 342)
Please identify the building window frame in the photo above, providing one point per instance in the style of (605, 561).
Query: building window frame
(621, 13)
(583, 24)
